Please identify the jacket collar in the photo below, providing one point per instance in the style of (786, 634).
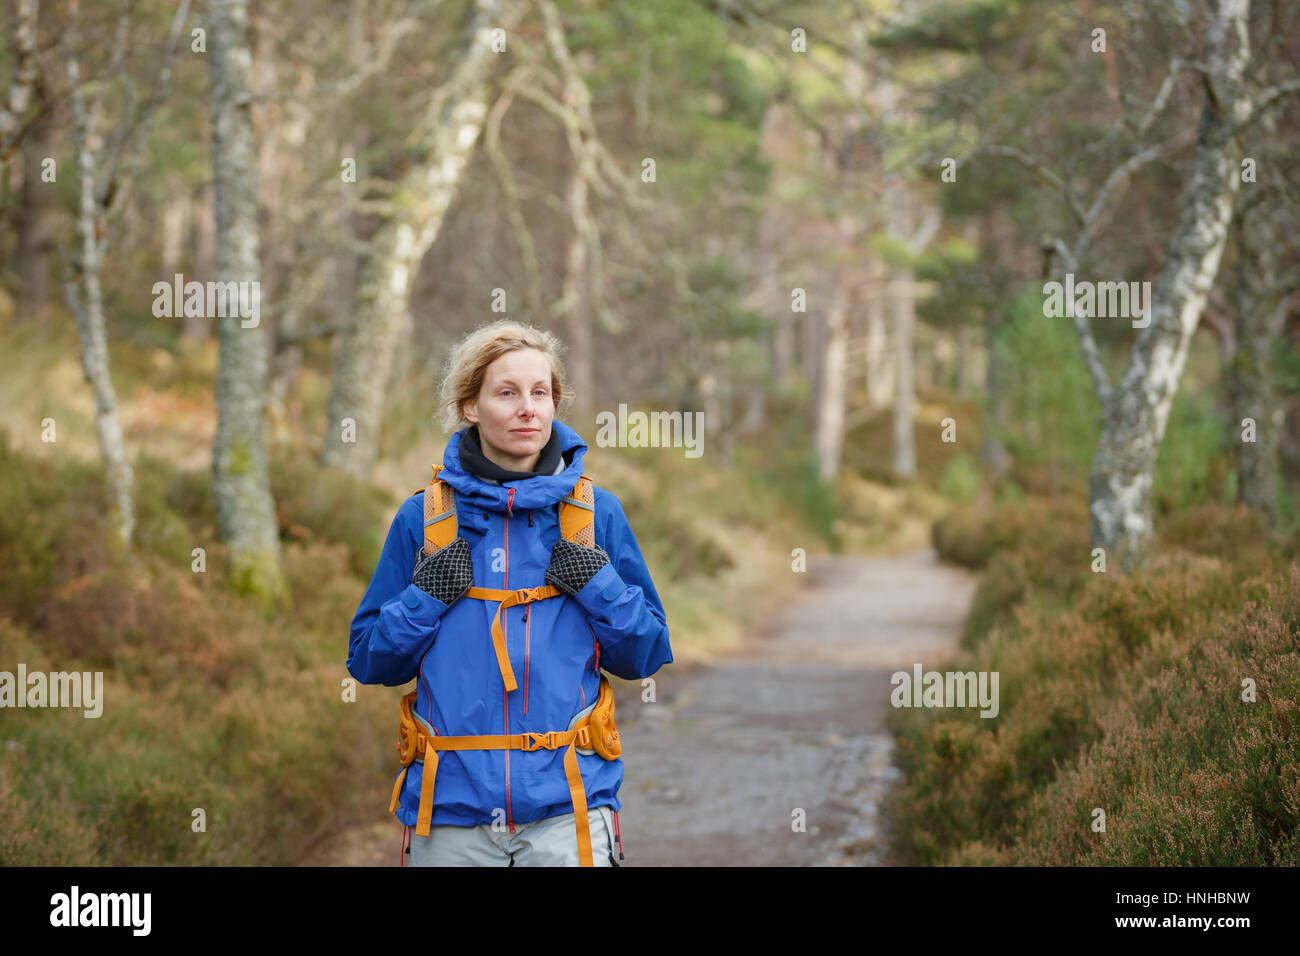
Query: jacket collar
(550, 460)
(534, 492)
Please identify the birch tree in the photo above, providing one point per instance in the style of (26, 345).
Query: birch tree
(832, 383)
(1136, 412)
(15, 111)
(240, 479)
(413, 213)
(102, 190)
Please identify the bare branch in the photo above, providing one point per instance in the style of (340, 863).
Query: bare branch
(925, 231)
(1176, 65)
(1091, 353)
(750, 15)
(510, 189)
(131, 131)
(1223, 330)
(1268, 98)
(1042, 172)
(1120, 175)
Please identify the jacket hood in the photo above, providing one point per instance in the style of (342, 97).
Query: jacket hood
(550, 460)
(535, 492)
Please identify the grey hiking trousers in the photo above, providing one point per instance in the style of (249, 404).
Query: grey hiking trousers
(549, 842)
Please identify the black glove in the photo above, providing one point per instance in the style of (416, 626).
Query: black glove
(573, 565)
(447, 574)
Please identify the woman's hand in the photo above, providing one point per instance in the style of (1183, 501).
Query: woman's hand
(573, 565)
(447, 574)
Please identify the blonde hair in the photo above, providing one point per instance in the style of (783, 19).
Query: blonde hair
(467, 363)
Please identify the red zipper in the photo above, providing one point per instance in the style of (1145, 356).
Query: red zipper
(505, 695)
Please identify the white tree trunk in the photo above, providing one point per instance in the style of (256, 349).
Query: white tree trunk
(173, 229)
(26, 74)
(86, 300)
(240, 479)
(1137, 412)
(993, 453)
(904, 447)
(882, 370)
(831, 394)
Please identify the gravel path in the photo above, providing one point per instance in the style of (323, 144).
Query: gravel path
(718, 765)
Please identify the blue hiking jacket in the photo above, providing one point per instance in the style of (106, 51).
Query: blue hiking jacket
(557, 646)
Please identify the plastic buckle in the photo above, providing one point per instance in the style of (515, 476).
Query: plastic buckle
(524, 595)
(546, 740)
(584, 737)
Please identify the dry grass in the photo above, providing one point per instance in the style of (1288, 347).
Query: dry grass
(1117, 693)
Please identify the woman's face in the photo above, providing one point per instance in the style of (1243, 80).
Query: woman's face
(514, 409)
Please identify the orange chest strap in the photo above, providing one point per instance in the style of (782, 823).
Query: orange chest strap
(509, 599)
(577, 523)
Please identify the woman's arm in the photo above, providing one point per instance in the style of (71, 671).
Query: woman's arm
(627, 616)
(396, 621)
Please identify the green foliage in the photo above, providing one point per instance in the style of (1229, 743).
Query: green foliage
(174, 512)
(790, 478)
(1051, 409)
(1194, 456)
(960, 479)
(894, 252)
(1009, 491)
(972, 26)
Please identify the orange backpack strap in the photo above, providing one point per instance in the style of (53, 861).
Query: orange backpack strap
(439, 514)
(578, 513)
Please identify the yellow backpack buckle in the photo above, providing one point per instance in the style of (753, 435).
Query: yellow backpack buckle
(539, 741)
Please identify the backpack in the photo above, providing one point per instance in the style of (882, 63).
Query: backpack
(595, 731)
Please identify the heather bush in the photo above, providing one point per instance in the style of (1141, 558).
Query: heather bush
(1116, 692)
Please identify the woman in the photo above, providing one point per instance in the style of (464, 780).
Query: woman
(512, 464)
